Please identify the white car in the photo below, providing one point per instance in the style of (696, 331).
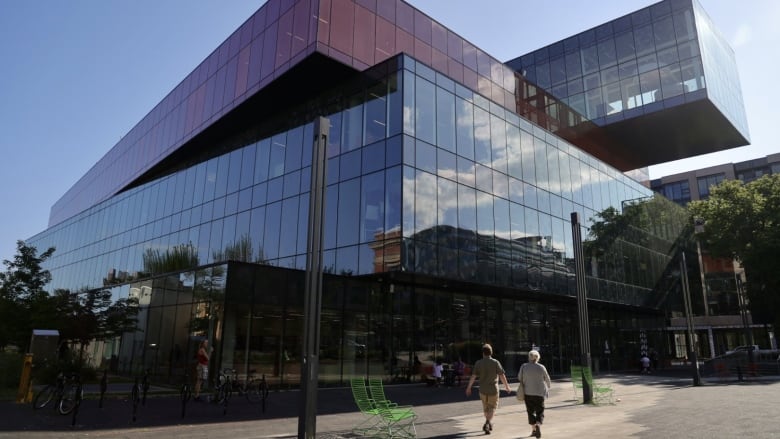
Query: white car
(745, 348)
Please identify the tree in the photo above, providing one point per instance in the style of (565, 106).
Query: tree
(92, 315)
(24, 304)
(179, 257)
(742, 221)
(80, 317)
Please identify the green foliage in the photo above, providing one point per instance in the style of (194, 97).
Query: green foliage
(46, 373)
(743, 221)
(93, 315)
(11, 365)
(240, 250)
(24, 277)
(652, 222)
(637, 245)
(179, 257)
(24, 305)
(80, 317)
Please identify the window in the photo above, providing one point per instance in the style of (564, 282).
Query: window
(708, 181)
(679, 191)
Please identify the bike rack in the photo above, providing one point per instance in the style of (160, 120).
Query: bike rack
(79, 396)
(103, 387)
(135, 398)
(145, 386)
(186, 394)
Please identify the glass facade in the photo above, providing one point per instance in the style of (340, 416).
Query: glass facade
(426, 178)
(446, 219)
(720, 68)
(626, 67)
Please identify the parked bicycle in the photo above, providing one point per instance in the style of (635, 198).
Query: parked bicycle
(224, 387)
(185, 392)
(252, 388)
(64, 393)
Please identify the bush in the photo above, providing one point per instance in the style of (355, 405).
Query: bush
(11, 365)
(46, 372)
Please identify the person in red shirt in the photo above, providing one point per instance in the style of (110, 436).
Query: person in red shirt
(203, 367)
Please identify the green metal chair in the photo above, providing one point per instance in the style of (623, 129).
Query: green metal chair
(371, 425)
(377, 390)
(602, 394)
(385, 419)
(397, 422)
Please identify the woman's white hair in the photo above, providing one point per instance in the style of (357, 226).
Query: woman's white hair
(534, 356)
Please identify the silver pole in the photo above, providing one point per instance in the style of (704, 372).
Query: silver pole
(307, 418)
(582, 304)
(689, 320)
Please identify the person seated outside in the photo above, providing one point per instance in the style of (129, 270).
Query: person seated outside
(437, 373)
(645, 362)
(460, 369)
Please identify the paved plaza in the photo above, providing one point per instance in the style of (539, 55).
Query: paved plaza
(649, 406)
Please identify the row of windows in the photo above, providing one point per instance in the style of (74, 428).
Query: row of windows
(641, 66)
(637, 19)
(636, 91)
(466, 132)
(659, 41)
(632, 68)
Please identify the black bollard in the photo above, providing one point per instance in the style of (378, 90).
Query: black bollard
(103, 387)
(739, 374)
(186, 394)
(79, 395)
(264, 392)
(136, 398)
(145, 387)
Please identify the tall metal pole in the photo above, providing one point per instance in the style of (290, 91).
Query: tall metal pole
(689, 320)
(582, 305)
(307, 417)
(743, 313)
(705, 290)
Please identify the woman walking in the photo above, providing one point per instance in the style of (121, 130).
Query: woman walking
(536, 385)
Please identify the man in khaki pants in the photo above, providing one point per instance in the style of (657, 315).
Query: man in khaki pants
(489, 371)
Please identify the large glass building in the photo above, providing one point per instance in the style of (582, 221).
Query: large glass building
(448, 196)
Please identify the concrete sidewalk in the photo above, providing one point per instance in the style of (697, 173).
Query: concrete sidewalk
(648, 407)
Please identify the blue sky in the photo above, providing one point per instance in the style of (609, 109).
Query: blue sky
(77, 75)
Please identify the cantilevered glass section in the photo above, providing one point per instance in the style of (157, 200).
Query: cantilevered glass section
(720, 69)
(666, 60)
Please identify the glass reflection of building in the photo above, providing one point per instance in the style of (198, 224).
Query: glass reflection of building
(446, 214)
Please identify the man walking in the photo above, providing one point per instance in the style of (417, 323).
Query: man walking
(489, 371)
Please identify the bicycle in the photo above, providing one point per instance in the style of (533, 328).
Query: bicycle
(135, 394)
(224, 387)
(253, 389)
(185, 392)
(72, 396)
(63, 392)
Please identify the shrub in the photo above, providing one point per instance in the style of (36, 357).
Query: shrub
(11, 365)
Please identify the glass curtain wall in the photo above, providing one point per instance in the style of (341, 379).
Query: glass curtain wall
(614, 70)
(488, 197)
(425, 178)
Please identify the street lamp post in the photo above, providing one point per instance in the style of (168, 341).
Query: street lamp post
(743, 313)
(582, 305)
(686, 291)
(307, 417)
